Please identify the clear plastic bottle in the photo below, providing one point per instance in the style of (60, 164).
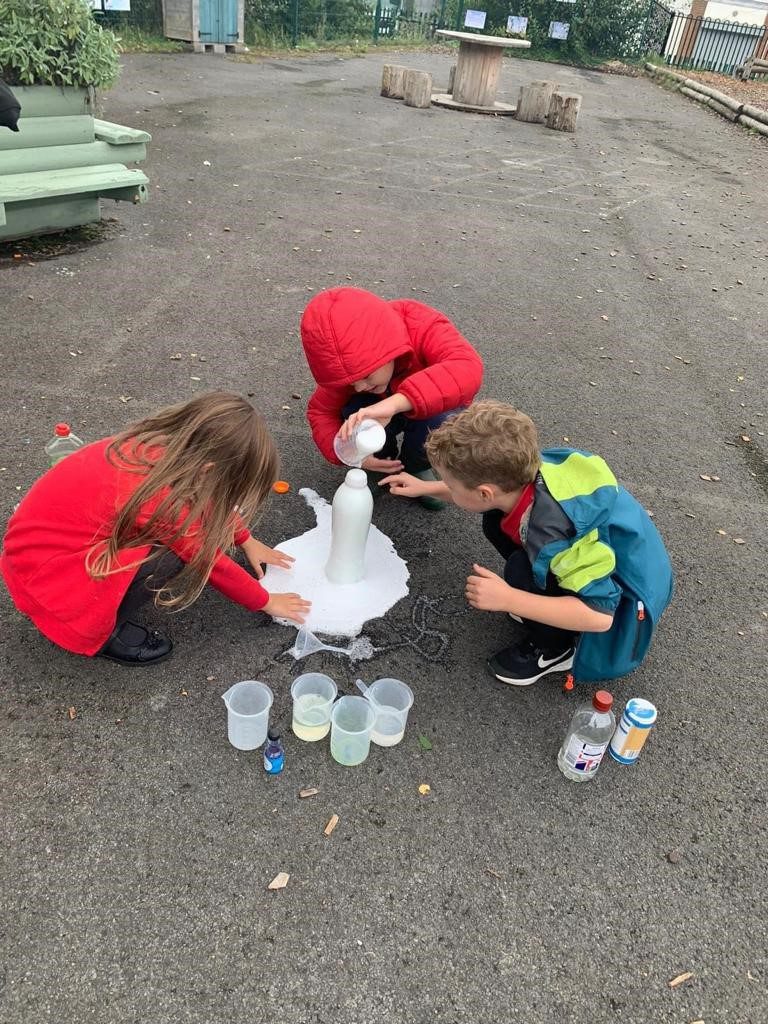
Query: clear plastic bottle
(274, 754)
(350, 522)
(587, 739)
(366, 439)
(63, 443)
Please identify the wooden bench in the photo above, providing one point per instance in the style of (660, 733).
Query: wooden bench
(754, 67)
(56, 169)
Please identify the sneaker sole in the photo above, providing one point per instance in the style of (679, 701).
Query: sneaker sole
(498, 672)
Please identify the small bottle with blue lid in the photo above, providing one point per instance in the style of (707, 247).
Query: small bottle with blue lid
(274, 753)
(632, 730)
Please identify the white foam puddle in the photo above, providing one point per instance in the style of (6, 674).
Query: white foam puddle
(338, 609)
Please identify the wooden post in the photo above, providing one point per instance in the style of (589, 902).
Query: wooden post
(392, 76)
(417, 88)
(563, 110)
(533, 101)
(451, 79)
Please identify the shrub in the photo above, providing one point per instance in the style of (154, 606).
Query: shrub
(55, 42)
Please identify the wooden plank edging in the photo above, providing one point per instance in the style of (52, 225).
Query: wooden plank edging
(755, 113)
(756, 126)
(744, 114)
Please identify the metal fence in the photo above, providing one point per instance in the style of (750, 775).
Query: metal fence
(704, 44)
(287, 22)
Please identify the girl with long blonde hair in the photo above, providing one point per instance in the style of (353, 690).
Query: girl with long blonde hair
(147, 514)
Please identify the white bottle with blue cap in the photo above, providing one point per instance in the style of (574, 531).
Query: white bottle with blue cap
(632, 730)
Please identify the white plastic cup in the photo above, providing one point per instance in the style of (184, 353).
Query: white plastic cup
(391, 700)
(313, 696)
(248, 705)
(366, 439)
(351, 721)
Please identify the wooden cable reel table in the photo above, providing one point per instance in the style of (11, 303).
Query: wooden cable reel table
(477, 72)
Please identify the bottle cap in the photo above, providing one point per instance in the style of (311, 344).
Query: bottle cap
(602, 701)
(273, 735)
(356, 478)
(62, 430)
(640, 712)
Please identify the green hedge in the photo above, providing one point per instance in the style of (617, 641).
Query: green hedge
(598, 28)
(55, 42)
(145, 15)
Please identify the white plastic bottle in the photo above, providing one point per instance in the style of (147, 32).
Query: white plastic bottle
(632, 730)
(63, 443)
(350, 522)
(587, 739)
(366, 439)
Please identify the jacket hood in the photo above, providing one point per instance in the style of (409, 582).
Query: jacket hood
(348, 332)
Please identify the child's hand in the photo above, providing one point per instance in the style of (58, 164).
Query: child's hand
(287, 606)
(488, 592)
(368, 412)
(382, 412)
(404, 485)
(381, 465)
(258, 554)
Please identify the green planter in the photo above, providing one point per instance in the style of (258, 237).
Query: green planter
(59, 165)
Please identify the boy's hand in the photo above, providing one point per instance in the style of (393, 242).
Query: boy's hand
(382, 412)
(488, 592)
(405, 485)
(381, 465)
(287, 606)
(259, 554)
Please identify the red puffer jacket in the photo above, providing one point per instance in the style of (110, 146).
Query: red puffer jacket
(348, 333)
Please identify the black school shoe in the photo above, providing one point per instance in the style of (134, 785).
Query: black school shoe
(523, 664)
(131, 645)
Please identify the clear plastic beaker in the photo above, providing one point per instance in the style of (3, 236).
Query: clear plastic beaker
(351, 721)
(248, 705)
(391, 700)
(313, 696)
(366, 439)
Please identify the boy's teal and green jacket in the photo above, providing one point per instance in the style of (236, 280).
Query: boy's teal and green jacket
(600, 544)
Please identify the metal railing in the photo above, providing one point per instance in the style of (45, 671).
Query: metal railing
(704, 44)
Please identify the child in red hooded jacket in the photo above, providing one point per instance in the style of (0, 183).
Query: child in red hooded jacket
(401, 363)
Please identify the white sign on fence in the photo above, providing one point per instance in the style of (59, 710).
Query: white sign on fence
(474, 19)
(517, 24)
(558, 29)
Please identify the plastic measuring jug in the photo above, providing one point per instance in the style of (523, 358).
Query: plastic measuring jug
(391, 701)
(248, 705)
(313, 696)
(351, 721)
(366, 439)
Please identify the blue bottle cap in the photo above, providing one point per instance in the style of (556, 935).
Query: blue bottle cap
(640, 712)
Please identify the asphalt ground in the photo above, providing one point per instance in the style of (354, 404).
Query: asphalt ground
(615, 283)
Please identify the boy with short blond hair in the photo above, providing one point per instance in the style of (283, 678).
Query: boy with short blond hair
(586, 570)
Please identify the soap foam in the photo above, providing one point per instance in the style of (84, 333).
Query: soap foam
(338, 609)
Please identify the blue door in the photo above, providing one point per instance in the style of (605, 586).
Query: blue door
(218, 21)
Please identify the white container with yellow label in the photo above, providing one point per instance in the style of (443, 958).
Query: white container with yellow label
(632, 730)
